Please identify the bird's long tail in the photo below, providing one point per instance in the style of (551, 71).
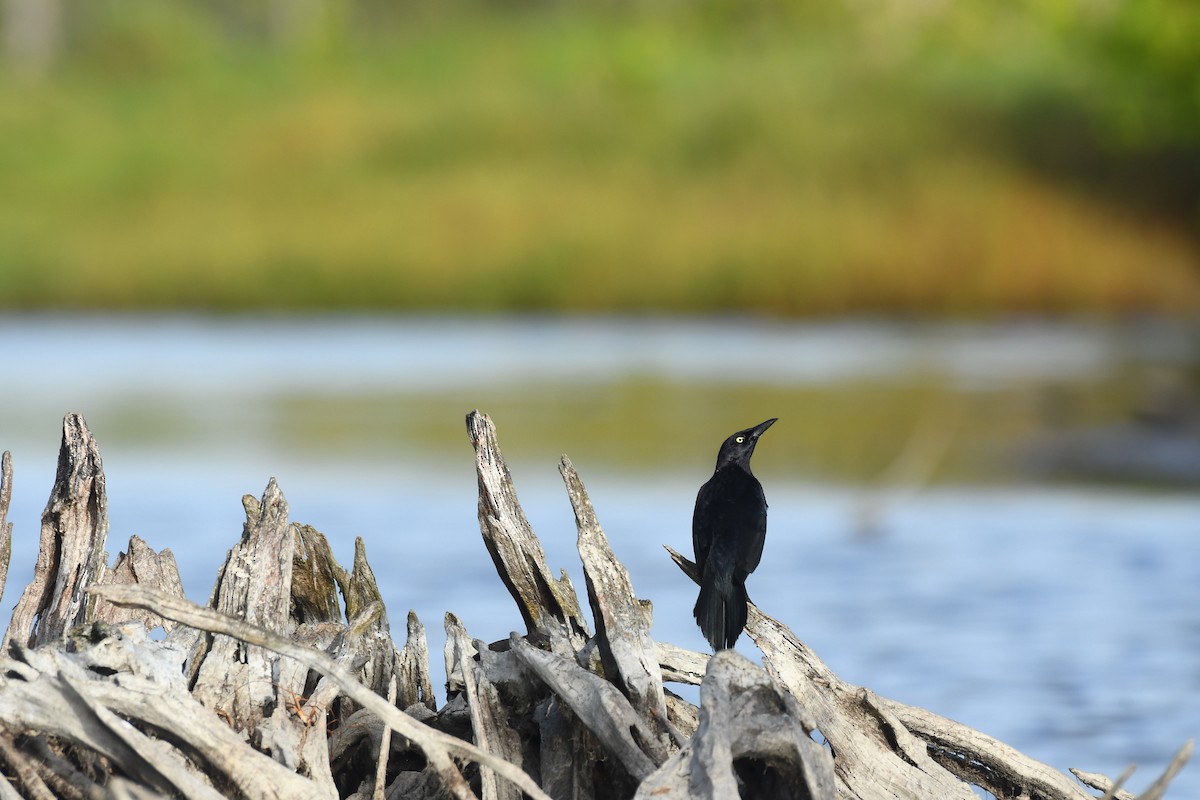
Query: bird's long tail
(721, 608)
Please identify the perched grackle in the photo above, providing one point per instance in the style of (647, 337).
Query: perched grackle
(729, 527)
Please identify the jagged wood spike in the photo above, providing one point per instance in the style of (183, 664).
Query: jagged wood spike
(140, 564)
(414, 684)
(622, 621)
(256, 584)
(71, 551)
(548, 605)
(6, 484)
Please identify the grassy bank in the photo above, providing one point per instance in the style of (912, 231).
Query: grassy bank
(568, 159)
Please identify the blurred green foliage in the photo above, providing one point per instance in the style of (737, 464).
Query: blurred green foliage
(773, 156)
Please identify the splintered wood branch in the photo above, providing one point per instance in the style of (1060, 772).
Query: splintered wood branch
(622, 621)
(1112, 789)
(548, 605)
(71, 551)
(438, 747)
(6, 479)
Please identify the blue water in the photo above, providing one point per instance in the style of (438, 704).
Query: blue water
(1063, 620)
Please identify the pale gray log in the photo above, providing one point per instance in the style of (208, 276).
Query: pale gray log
(982, 759)
(150, 761)
(622, 621)
(749, 734)
(597, 703)
(118, 671)
(679, 665)
(71, 551)
(234, 677)
(489, 721)
(549, 606)
(873, 757)
(438, 747)
(42, 697)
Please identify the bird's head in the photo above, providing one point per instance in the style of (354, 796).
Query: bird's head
(738, 448)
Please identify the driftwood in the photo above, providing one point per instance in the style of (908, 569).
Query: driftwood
(5, 526)
(289, 685)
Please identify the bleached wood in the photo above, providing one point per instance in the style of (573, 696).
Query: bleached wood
(627, 651)
(6, 479)
(76, 696)
(680, 665)
(982, 759)
(749, 734)
(604, 710)
(385, 746)
(489, 721)
(237, 678)
(71, 550)
(101, 710)
(1111, 788)
(438, 747)
(548, 605)
(374, 645)
(412, 668)
(140, 564)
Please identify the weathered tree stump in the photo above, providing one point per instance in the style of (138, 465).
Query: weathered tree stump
(289, 685)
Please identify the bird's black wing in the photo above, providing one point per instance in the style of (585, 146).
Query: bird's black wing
(753, 527)
(702, 523)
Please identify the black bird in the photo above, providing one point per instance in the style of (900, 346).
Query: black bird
(729, 527)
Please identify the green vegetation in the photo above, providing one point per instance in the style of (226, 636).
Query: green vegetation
(783, 158)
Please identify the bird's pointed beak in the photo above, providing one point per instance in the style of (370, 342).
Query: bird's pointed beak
(761, 428)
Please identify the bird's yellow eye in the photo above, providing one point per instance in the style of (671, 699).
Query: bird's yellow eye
(740, 439)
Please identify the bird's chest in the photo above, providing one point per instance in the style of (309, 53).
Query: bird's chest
(730, 504)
